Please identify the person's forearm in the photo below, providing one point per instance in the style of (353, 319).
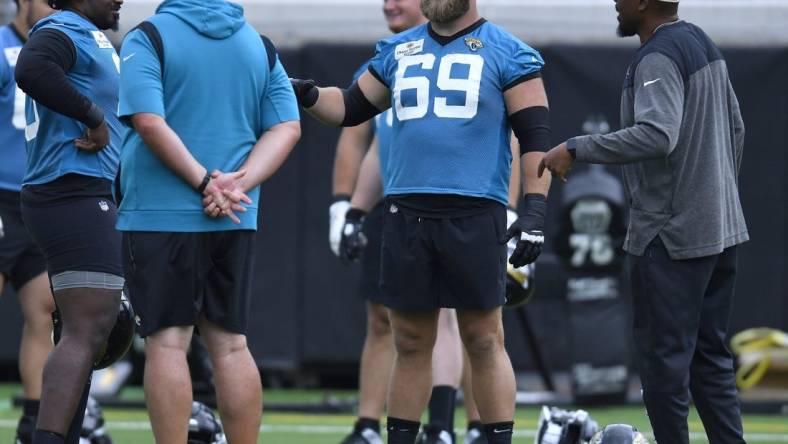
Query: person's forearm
(532, 183)
(370, 188)
(330, 106)
(269, 153)
(634, 144)
(169, 148)
(515, 178)
(351, 146)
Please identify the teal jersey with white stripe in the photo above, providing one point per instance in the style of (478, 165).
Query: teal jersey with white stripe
(450, 132)
(12, 114)
(50, 136)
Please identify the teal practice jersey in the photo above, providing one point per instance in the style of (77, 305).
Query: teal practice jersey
(12, 114)
(50, 136)
(450, 131)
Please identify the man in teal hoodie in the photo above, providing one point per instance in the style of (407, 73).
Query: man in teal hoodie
(210, 115)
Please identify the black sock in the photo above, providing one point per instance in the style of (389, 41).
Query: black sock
(402, 431)
(76, 422)
(367, 423)
(476, 425)
(27, 423)
(499, 432)
(30, 407)
(44, 437)
(442, 406)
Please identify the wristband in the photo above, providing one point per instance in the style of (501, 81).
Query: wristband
(94, 117)
(571, 147)
(204, 183)
(355, 215)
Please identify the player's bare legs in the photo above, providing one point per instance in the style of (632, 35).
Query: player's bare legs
(37, 304)
(411, 378)
(471, 411)
(446, 376)
(377, 358)
(447, 357)
(87, 315)
(493, 378)
(168, 385)
(239, 391)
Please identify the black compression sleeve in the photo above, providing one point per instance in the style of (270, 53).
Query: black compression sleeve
(357, 108)
(41, 73)
(532, 128)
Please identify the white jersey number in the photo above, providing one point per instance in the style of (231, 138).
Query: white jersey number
(445, 82)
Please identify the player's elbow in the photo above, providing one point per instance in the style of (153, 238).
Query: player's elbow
(25, 74)
(289, 131)
(662, 141)
(147, 124)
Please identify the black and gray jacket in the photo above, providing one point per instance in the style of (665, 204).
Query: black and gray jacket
(681, 146)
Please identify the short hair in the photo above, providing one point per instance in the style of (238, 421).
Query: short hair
(665, 8)
(57, 4)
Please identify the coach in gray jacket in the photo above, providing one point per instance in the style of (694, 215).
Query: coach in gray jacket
(680, 147)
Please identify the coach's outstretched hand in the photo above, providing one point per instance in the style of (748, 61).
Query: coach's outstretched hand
(305, 91)
(528, 230)
(224, 195)
(353, 239)
(558, 161)
(94, 139)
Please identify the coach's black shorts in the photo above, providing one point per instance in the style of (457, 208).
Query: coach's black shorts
(20, 258)
(174, 278)
(430, 263)
(72, 220)
(369, 288)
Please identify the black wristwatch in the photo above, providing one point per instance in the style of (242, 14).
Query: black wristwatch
(204, 183)
(571, 146)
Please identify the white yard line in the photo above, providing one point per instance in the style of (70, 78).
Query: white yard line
(337, 429)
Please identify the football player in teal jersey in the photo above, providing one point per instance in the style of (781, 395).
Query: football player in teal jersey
(457, 86)
(21, 261)
(378, 351)
(69, 71)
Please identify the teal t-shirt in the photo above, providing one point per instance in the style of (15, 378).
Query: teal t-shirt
(216, 90)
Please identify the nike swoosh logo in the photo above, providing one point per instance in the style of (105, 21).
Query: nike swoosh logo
(651, 82)
(501, 431)
(129, 56)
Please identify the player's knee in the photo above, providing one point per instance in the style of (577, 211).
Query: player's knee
(170, 341)
(483, 345)
(101, 328)
(225, 345)
(378, 324)
(413, 343)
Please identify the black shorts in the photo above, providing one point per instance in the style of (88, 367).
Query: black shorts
(20, 258)
(369, 287)
(174, 278)
(75, 230)
(431, 263)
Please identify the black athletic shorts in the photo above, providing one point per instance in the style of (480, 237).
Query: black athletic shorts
(369, 287)
(430, 263)
(174, 278)
(72, 220)
(20, 258)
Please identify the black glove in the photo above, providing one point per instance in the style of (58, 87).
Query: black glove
(353, 239)
(305, 91)
(528, 229)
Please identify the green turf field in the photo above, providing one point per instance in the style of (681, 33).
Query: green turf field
(132, 427)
